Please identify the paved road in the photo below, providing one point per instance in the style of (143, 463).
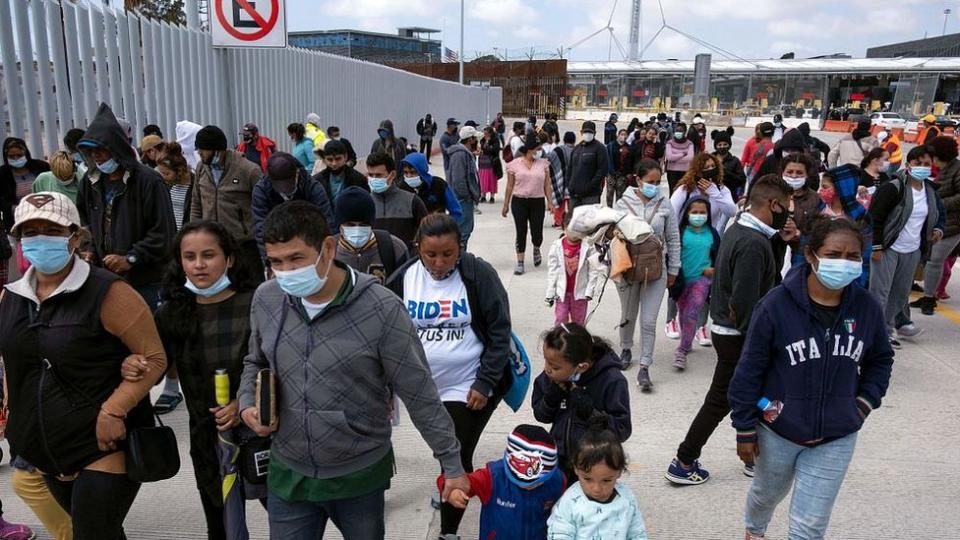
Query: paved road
(902, 483)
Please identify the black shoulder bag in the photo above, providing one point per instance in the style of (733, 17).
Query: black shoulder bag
(152, 453)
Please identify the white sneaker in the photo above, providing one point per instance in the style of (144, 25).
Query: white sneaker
(672, 329)
(703, 337)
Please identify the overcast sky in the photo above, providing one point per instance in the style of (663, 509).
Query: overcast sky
(767, 29)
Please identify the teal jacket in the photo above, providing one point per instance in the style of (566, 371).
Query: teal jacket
(576, 517)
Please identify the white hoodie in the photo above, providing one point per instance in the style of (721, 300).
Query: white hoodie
(186, 137)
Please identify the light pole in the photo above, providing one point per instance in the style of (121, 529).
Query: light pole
(461, 41)
(946, 15)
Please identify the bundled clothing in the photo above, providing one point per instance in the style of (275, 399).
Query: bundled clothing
(643, 149)
(447, 141)
(427, 130)
(578, 517)
(258, 152)
(399, 213)
(489, 165)
(851, 149)
(462, 173)
(574, 275)
(186, 133)
(434, 191)
(722, 205)
(754, 153)
(225, 194)
(392, 145)
(46, 181)
(807, 205)
(830, 367)
(266, 198)
(793, 140)
(303, 151)
(815, 148)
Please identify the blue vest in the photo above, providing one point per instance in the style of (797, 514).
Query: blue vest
(514, 513)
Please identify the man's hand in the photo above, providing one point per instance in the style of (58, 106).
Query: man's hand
(476, 400)
(936, 237)
(748, 452)
(790, 232)
(110, 429)
(876, 256)
(134, 368)
(449, 484)
(251, 418)
(459, 499)
(116, 263)
(670, 280)
(226, 416)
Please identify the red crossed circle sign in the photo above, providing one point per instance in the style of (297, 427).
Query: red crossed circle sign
(265, 25)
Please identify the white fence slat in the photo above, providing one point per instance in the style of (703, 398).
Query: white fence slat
(48, 100)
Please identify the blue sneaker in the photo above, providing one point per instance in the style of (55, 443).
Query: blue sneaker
(694, 475)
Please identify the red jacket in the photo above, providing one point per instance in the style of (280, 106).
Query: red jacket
(265, 146)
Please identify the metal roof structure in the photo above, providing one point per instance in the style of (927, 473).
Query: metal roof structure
(826, 66)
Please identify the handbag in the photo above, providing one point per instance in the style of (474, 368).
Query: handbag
(152, 453)
(519, 366)
(254, 459)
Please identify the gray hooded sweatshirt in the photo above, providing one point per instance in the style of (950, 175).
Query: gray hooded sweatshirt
(663, 222)
(333, 378)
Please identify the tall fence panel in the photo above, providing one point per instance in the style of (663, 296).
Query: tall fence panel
(59, 60)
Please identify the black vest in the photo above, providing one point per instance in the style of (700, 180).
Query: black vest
(61, 365)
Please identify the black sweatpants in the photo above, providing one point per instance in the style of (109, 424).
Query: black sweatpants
(528, 212)
(428, 146)
(715, 406)
(468, 425)
(97, 502)
(673, 178)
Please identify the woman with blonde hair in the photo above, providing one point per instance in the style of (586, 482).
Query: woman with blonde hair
(63, 176)
(176, 173)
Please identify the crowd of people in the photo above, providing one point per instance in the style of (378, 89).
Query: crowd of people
(291, 303)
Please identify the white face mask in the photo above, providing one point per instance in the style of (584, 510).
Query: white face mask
(588, 137)
(795, 183)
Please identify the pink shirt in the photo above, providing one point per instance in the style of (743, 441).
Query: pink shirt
(528, 182)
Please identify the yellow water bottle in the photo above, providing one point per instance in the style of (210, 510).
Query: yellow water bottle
(221, 385)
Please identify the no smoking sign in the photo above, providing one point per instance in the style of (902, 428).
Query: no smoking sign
(248, 23)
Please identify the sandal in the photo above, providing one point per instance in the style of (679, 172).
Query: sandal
(167, 403)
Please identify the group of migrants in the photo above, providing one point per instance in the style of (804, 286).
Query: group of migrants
(291, 303)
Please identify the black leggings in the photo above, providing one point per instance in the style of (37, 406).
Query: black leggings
(528, 211)
(673, 178)
(428, 146)
(468, 425)
(97, 502)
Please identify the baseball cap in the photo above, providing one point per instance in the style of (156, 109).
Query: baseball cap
(467, 132)
(251, 127)
(149, 142)
(452, 122)
(48, 206)
(588, 127)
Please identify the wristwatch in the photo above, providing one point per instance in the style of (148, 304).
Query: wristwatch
(132, 259)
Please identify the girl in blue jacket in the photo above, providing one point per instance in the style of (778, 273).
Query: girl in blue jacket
(818, 350)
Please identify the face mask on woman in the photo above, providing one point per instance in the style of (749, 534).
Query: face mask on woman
(649, 190)
(795, 183)
(836, 274)
(18, 163)
(218, 287)
(709, 174)
(47, 254)
(827, 195)
(678, 135)
(301, 282)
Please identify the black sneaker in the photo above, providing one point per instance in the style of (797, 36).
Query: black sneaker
(926, 304)
(916, 287)
(537, 257)
(626, 359)
(643, 379)
(895, 343)
(167, 403)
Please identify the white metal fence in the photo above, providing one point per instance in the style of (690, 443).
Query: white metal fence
(59, 59)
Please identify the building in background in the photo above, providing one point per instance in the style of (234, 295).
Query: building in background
(935, 47)
(406, 46)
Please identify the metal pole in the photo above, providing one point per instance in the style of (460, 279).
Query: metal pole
(461, 41)
(946, 15)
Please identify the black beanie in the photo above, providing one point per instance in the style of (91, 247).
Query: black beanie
(720, 136)
(211, 138)
(355, 204)
(569, 137)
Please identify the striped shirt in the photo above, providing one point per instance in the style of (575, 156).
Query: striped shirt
(178, 198)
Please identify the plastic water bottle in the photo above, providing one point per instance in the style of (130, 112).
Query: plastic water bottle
(771, 409)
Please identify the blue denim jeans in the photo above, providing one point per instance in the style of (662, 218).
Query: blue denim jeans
(815, 473)
(359, 518)
(466, 222)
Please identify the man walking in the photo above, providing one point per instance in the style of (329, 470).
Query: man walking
(463, 177)
(448, 139)
(587, 167)
(427, 130)
(338, 344)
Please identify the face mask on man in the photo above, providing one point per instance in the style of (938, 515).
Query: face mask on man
(18, 163)
(357, 236)
(588, 137)
(920, 172)
(109, 166)
(377, 185)
(302, 282)
(413, 181)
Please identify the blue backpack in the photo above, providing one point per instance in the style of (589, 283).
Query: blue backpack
(519, 373)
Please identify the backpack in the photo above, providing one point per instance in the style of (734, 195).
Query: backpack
(507, 152)
(519, 372)
(646, 255)
(387, 256)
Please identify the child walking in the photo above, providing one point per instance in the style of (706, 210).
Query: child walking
(599, 505)
(699, 243)
(574, 277)
(581, 382)
(519, 490)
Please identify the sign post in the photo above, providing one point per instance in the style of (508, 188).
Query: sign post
(249, 23)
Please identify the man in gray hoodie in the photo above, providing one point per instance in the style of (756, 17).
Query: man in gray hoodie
(463, 178)
(338, 344)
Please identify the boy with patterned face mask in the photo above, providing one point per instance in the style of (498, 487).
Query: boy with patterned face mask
(519, 490)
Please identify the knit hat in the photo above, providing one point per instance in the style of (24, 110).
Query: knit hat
(282, 170)
(48, 206)
(313, 118)
(355, 204)
(720, 136)
(531, 456)
(211, 138)
(766, 128)
(149, 142)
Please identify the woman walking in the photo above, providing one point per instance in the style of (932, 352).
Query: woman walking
(176, 173)
(678, 155)
(302, 146)
(65, 329)
(490, 169)
(821, 337)
(643, 299)
(17, 174)
(528, 196)
(466, 346)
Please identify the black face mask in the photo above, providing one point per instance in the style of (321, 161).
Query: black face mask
(709, 175)
(248, 138)
(780, 219)
(723, 151)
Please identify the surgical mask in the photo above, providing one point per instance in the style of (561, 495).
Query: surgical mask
(575, 376)
(827, 195)
(588, 137)
(383, 133)
(920, 172)
(18, 163)
(357, 236)
(884, 165)
(836, 274)
(301, 282)
(621, 140)
(109, 166)
(709, 175)
(678, 136)
(218, 287)
(48, 254)
(377, 185)
(211, 160)
(697, 220)
(77, 157)
(795, 183)
(649, 190)
(413, 181)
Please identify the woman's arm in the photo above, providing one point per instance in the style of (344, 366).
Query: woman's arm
(511, 179)
(547, 187)
(723, 200)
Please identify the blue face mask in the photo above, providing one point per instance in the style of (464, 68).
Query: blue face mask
(377, 185)
(920, 172)
(108, 167)
(357, 236)
(836, 274)
(575, 376)
(649, 190)
(301, 282)
(77, 158)
(413, 181)
(47, 254)
(18, 163)
(213, 290)
(383, 133)
(697, 220)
